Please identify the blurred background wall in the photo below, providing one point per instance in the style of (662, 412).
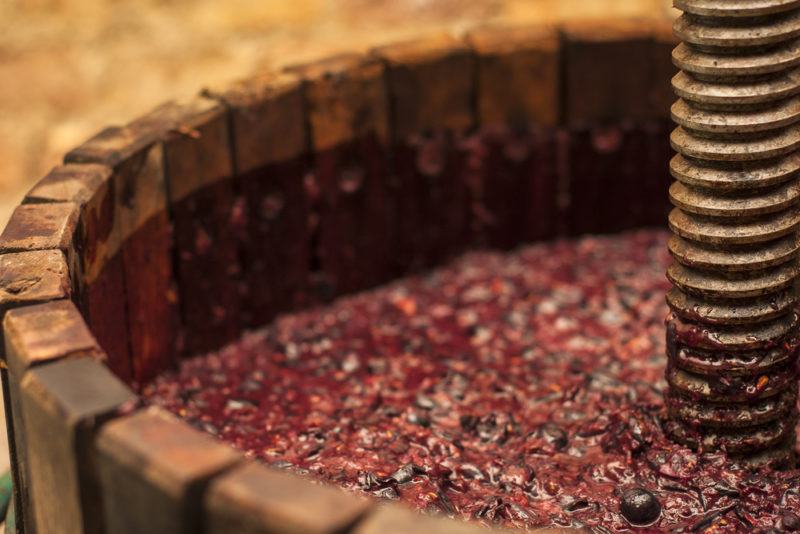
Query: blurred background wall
(70, 67)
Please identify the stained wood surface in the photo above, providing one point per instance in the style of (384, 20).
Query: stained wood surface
(46, 111)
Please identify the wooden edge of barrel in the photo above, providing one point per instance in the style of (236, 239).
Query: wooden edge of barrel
(32, 277)
(431, 84)
(190, 129)
(71, 182)
(154, 469)
(46, 332)
(115, 203)
(196, 140)
(124, 242)
(26, 278)
(40, 227)
(268, 119)
(255, 498)
(43, 226)
(63, 403)
(511, 60)
(596, 53)
(346, 99)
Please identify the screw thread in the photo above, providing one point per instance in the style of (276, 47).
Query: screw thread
(732, 334)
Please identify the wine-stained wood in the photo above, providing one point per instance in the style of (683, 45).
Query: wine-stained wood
(270, 138)
(348, 110)
(431, 96)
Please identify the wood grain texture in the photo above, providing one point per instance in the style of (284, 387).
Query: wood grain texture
(512, 158)
(40, 227)
(26, 278)
(608, 71)
(431, 95)
(518, 81)
(141, 234)
(32, 277)
(154, 469)
(268, 122)
(347, 102)
(254, 499)
(430, 84)
(73, 182)
(270, 139)
(63, 404)
(208, 221)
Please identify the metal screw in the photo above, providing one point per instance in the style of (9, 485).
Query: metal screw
(732, 335)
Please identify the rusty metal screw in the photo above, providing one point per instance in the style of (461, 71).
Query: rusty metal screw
(732, 334)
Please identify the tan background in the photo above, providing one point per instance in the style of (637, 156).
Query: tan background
(70, 67)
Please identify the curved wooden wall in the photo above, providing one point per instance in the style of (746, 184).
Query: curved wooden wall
(168, 236)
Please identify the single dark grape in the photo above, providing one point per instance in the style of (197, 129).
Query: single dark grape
(639, 506)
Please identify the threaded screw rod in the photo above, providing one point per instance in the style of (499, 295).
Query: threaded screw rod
(732, 334)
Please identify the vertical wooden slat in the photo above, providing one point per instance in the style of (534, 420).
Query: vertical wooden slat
(34, 335)
(253, 499)
(607, 71)
(26, 278)
(431, 88)
(269, 132)
(348, 109)
(154, 469)
(63, 404)
(657, 178)
(608, 85)
(101, 293)
(514, 151)
(139, 245)
(207, 221)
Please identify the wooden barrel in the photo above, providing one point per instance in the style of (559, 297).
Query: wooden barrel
(168, 236)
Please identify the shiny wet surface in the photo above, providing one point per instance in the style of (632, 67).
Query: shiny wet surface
(521, 389)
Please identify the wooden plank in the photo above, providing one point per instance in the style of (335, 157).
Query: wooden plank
(518, 75)
(614, 152)
(141, 236)
(605, 166)
(45, 226)
(26, 278)
(207, 220)
(431, 93)
(254, 499)
(40, 227)
(69, 187)
(270, 139)
(397, 519)
(74, 182)
(64, 403)
(154, 469)
(46, 332)
(39, 334)
(513, 154)
(607, 71)
(32, 277)
(100, 293)
(347, 102)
